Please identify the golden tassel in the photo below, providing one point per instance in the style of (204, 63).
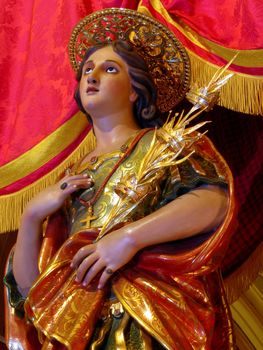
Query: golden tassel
(243, 93)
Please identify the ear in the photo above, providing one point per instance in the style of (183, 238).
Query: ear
(133, 96)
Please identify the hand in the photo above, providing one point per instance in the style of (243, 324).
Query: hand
(52, 198)
(109, 254)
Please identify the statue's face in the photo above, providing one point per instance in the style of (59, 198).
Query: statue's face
(105, 85)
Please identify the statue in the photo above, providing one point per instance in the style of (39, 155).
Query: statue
(136, 229)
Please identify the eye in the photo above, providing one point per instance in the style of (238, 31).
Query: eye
(87, 70)
(111, 69)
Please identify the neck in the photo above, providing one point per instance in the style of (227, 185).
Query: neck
(114, 130)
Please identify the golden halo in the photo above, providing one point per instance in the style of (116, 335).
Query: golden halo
(166, 58)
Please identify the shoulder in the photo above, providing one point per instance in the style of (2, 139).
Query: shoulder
(145, 137)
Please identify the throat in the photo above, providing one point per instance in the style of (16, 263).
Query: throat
(112, 142)
(121, 144)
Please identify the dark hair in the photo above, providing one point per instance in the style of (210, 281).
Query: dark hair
(142, 83)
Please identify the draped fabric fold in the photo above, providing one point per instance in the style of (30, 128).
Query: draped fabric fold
(38, 83)
(168, 306)
(173, 290)
(209, 44)
(40, 129)
(171, 293)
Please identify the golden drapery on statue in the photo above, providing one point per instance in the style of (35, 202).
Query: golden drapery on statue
(173, 291)
(169, 295)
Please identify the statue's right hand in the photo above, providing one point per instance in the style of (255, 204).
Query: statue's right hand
(52, 198)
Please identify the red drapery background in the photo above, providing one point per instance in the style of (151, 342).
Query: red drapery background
(37, 85)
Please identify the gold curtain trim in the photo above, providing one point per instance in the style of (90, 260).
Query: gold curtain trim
(242, 278)
(12, 205)
(44, 151)
(246, 58)
(242, 93)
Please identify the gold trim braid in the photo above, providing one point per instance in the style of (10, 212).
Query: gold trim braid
(12, 205)
(244, 92)
(44, 151)
(247, 58)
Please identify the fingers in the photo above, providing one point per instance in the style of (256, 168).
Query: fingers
(88, 269)
(82, 254)
(69, 184)
(83, 261)
(93, 271)
(88, 264)
(75, 177)
(105, 276)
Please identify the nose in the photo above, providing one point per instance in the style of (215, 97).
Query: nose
(92, 79)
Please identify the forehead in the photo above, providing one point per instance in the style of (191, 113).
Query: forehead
(106, 54)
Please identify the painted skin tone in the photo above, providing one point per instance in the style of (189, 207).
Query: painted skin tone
(107, 96)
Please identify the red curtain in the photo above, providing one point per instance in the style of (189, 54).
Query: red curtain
(233, 24)
(37, 82)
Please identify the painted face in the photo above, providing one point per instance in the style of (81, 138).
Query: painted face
(105, 85)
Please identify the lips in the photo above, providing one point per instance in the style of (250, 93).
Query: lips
(91, 89)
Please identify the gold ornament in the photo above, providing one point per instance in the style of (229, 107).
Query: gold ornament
(164, 55)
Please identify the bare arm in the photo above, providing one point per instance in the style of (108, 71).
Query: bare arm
(197, 211)
(25, 262)
(193, 213)
(27, 248)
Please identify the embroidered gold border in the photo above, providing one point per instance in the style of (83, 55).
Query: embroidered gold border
(44, 151)
(246, 58)
(243, 92)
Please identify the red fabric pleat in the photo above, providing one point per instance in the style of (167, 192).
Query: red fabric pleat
(199, 50)
(243, 26)
(37, 85)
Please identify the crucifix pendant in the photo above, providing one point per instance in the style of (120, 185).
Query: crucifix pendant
(90, 217)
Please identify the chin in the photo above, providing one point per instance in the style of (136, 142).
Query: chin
(90, 106)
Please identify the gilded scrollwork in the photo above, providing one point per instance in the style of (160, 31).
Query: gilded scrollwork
(109, 198)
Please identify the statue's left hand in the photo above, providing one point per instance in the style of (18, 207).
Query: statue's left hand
(108, 255)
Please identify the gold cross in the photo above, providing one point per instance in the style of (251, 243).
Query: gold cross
(89, 217)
